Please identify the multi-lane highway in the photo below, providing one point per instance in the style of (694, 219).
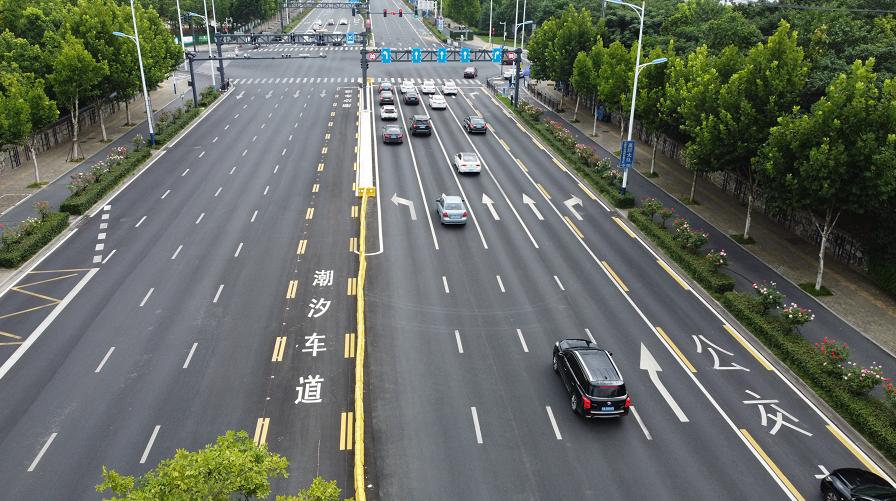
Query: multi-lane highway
(217, 291)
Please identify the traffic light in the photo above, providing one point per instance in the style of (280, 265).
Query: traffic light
(353, 12)
(400, 13)
(385, 12)
(415, 11)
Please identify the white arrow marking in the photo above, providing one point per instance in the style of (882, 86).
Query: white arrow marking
(269, 94)
(398, 200)
(240, 95)
(649, 364)
(473, 95)
(531, 203)
(296, 94)
(570, 203)
(491, 206)
(824, 472)
(323, 93)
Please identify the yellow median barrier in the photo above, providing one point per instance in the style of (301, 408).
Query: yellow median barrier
(360, 492)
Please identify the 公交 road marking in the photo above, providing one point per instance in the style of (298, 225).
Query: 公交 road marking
(103, 362)
(218, 294)
(624, 227)
(476, 425)
(179, 247)
(671, 272)
(261, 430)
(553, 422)
(302, 245)
(279, 348)
(42, 451)
(771, 464)
(349, 350)
(352, 287)
(238, 249)
(556, 279)
(346, 426)
(146, 297)
(291, 289)
(640, 423)
(615, 276)
(500, 283)
(674, 347)
(190, 355)
(445, 284)
(152, 439)
(519, 334)
(460, 346)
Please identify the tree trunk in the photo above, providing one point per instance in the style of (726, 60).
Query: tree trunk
(99, 106)
(693, 186)
(594, 127)
(76, 147)
(34, 159)
(560, 106)
(127, 110)
(653, 155)
(575, 114)
(829, 221)
(749, 214)
(621, 127)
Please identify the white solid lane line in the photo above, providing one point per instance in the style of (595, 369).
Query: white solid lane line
(558, 283)
(42, 451)
(266, 188)
(108, 256)
(553, 422)
(200, 217)
(238, 249)
(140, 222)
(522, 341)
(218, 294)
(460, 347)
(253, 217)
(476, 425)
(640, 423)
(190, 355)
(152, 439)
(185, 172)
(103, 362)
(500, 283)
(174, 256)
(445, 283)
(146, 297)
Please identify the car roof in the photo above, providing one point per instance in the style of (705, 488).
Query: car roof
(392, 126)
(467, 154)
(475, 117)
(598, 365)
(421, 117)
(858, 476)
(452, 199)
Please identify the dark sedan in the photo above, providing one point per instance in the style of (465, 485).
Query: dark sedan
(854, 484)
(386, 97)
(411, 97)
(475, 124)
(470, 72)
(392, 134)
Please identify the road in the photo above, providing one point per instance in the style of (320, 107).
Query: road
(215, 292)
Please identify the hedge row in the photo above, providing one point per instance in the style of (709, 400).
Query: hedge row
(868, 415)
(40, 235)
(695, 265)
(609, 191)
(177, 124)
(81, 202)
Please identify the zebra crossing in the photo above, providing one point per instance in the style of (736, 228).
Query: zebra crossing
(355, 80)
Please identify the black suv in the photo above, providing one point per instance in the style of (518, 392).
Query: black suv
(594, 383)
(411, 97)
(420, 125)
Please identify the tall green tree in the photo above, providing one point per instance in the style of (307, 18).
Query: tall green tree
(651, 88)
(232, 466)
(75, 74)
(596, 54)
(25, 110)
(616, 74)
(710, 23)
(841, 156)
(584, 80)
(319, 490)
(542, 57)
(554, 46)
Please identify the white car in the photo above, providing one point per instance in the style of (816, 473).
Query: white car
(428, 87)
(467, 162)
(437, 102)
(508, 73)
(388, 112)
(449, 88)
(406, 85)
(343, 21)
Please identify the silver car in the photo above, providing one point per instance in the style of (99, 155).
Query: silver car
(451, 209)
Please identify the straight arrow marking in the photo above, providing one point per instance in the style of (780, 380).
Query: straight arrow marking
(491, 206)
(531, 203)
(649, 364)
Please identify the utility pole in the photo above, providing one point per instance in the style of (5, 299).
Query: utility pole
(516, 86)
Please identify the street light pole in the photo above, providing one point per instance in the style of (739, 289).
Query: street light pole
(503, 32)
(490, 24)
(208, 42)
(523, 33)
(516, 20)
(136, 39)
(180, 26)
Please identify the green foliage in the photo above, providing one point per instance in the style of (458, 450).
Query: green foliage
(167, 130)
(710, 23)
(320, 490)
(464, 11)
(42, 232)
(554, 46)
(584, 78)
(233, 466)
(83, 200)
(615, 75)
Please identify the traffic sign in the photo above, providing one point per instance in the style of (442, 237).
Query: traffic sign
(386, 56)
(627, 155)
(371, 56)
(350, 37)
(465, 55)
(496, 54)
(442, 55)
(440, 23)
(511, 55)
(416, 56)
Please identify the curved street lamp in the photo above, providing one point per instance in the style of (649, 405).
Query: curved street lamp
(136, 38)
(208, 36)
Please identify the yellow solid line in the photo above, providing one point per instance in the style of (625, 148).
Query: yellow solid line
(674, 275)
(587, 191)
(675, 349)
(13, 343)
(302, 244)
(521, 165)
(520, 127)
(309, 213)
(279, 347)
(26, 310)
(503, 144)
(9, 334)
(573, 227)
(544, 191)
(772, 465)
(358, 467)
(315, 188)
(60, 271)
(291, 290)
(320, 167)
(41, 296)
(743, 342)
(323, 150)
(614, 275)
(559, 165)
(624, 227)
(261, 430)
(48, 280)
(855, 452)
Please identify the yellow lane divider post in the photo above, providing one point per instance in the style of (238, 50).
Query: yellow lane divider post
(302, 245)
(315, 188)
(543, 191)
(352, 288)
(354, 211)
(743, 342)
(261, 430)
(674, 347)
(320, 167)
(573, 227)
(309, 213)
(591, 195)
(771, 464)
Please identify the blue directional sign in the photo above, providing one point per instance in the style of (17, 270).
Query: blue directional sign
(465, 55)
(350, 37)
(385, 56)
(496, 55)
(627, 155)
(442, 55)
(416, 56)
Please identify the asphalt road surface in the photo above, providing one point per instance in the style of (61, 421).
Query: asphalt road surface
(215, 292)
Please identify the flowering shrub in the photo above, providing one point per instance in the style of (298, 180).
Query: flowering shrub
(796, 315)
(139, 141)
(587, 156)
(769, 295)
(43, 208)
(890, 395)
(612, 176)
(717, 258)
(116, 155)
(561, 134)
(861, 380)
(532, 112)
(666, 213)
(688, 238)
(10, 235)
(834, 354)
(650, 206)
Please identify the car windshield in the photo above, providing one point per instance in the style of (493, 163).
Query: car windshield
(476, 121)
(877, 492)
(454, 206)
(469, 157)
(607, 391)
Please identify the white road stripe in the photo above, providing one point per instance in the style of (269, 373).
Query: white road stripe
(105, 217)
(253, 217)
(588, 332)
(445, 283)
(278, 165)
(152, 439)
(266, 188)
(174, 256)
(558, 283)
(101, 236)
(476, 425)
(104, 226)
(99, 247)
(640, 423)
(42, 451)
(219, 190)
(500, 283)
(166, 193)
(110, 255)
(200, 218)
(460, 347)
(190, 355)
(553, 422)
(238, 249)
(218, 294)
(232, 169)
(203, 153)
(103, 362)
(146, 297)
(522, 341)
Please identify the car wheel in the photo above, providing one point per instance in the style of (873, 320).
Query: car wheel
(574, 404)
(831, 496)
(554, 364)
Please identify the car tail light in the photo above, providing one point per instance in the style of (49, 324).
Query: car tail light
(444, 213)
(628, 402)
(586, 404)
(465, 213)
